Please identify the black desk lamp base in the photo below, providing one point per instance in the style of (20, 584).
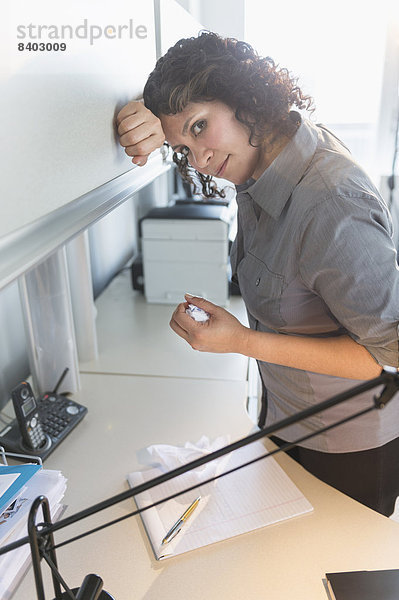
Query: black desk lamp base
(103, 595)
(92, 586)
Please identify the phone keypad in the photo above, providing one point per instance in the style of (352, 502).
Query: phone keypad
(56, 415)
(54, 426)
(35, 431)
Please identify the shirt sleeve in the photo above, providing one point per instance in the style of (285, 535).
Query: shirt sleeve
(348, 258)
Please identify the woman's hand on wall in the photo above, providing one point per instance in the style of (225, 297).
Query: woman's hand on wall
(221, 333)
(140, 131)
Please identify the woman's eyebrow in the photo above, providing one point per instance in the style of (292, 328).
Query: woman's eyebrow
(184, 131)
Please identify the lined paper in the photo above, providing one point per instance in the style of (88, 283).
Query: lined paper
(258, 495)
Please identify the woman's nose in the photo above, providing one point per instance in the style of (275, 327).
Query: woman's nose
(201, 158)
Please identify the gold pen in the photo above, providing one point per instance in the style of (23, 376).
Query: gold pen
(174, 530)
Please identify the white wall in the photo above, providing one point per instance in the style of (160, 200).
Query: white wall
(13, 357)
(58, 133)
(225, 17)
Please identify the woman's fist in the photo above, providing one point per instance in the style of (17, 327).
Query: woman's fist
(140, 131)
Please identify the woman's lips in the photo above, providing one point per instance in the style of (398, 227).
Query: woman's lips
(222, 168)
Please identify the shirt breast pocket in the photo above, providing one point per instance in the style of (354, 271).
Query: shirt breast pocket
(261, 290)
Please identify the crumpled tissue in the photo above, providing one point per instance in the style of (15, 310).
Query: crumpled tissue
(167, 457)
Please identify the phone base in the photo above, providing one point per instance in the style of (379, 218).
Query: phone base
(52, 408)
(11, 440)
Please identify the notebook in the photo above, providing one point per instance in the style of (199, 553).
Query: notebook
(258, 495)
(364, 585)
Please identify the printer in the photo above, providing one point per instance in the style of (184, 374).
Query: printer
(185, 248)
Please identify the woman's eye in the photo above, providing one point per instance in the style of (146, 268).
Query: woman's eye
(198, 127)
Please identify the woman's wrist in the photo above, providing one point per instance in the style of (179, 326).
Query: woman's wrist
(245, 341)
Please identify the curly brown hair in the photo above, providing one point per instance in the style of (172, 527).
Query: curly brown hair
(209, 67)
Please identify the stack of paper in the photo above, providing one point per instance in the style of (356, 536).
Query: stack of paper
(257, 495)
(19, 486)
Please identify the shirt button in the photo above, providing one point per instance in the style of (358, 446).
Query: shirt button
(257, 282)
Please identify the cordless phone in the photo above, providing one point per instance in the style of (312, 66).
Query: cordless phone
(27, 414)
(41, 424)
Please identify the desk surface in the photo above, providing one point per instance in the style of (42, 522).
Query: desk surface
(134, 338)
(279, 562)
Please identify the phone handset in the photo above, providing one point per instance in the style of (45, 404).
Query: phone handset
(27, 414)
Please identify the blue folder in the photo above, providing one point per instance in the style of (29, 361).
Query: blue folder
(25, 472)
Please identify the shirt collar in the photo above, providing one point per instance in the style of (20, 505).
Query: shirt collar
(276, 184)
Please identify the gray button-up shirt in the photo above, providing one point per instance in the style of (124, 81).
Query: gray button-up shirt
(314, 257)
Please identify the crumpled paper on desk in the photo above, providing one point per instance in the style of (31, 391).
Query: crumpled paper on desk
(167, 457)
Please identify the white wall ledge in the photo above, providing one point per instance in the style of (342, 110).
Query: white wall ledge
(24, 248)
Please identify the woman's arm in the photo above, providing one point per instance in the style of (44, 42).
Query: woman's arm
(338, 356)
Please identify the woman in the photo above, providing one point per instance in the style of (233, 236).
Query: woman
(313, 255)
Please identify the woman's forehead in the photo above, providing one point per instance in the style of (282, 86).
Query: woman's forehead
(179, 123)
(188, 110)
